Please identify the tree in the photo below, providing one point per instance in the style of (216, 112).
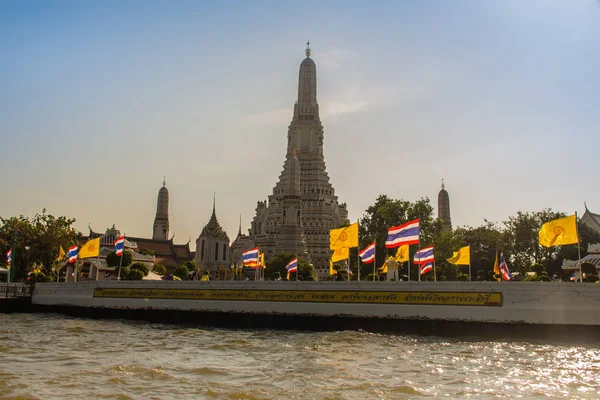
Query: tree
(588, 268)
(278, 262)
(141, 267)
(43, 234)
(135, 275)
(113, 260)
(159, 269)
(191, 265)
(182, 272)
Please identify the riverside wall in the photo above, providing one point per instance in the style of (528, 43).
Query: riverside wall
(531, 303)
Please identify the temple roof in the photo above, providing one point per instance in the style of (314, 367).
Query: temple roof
(213, 228)
(594, 219)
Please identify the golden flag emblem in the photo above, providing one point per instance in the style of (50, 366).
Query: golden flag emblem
(346, 237)
(90, 249)
(402, 254)
(340, 254)
(461, 257)
(558, 232)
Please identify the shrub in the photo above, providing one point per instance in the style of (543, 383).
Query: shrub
(530, 278)
(113, 260)
(124, 272)
(135, 275)
(159, 269)
(182, 272)
(141, 267)
(462, 277)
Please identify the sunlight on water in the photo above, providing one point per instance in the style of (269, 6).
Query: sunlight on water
(52, 356)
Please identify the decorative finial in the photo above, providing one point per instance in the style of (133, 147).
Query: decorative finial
(214, 201)
(240, 229)
(164, 181)
(443, 186)
(307, 49)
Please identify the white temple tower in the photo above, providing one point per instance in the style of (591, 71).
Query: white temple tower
(161, 221)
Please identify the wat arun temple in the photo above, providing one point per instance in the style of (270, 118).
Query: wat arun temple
(303, 207)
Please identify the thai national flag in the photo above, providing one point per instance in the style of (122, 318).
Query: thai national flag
(292, 266)
(250, 257)
(9, 256)
(427, 267)
(72, 254)
(504, 268)
(120, 245)
(403, 234)
(367, 255)
(424, 255)
(348, 269)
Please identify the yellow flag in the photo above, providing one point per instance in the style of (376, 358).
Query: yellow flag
(262, 260)
(344, 237)
(340, 254)
(558, 232)
(497, 268)
(90, 249)
(402, 254)
(61, 253)
(384, 268)
(331, 270)
(461, 257)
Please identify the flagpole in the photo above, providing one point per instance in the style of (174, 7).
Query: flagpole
(434, 274)
(357, 256)
(578, 249)
(419, 265)
(374, 259)
(120, 263)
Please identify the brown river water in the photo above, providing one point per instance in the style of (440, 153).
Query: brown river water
(51, 356)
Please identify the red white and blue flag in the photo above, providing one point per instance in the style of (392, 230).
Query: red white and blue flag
(424, 255)
(292, 265)
(120, 245)
(504, 268)
(72, 254)
(407, 233)
(348, 270)
(367, 255)
(425, 268)
(250, 257)
(9, 256)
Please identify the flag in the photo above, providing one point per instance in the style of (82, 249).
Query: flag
(558, 232)
(331, 270)
(426, 267)
(340, 254)
(461, 257)
(250, 257)
(504, 268)
(367, 255)
(61, 253)
(402, 254)
(9, 256)
(348, 269)
(292, 267)
(72, 254)
(384, 268)
(262, 260)
(90, 249)
(407, 233)
(424, 255)
(120, 245)
(497, 268)
(344, 237)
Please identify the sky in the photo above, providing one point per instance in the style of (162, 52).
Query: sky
(101, 99)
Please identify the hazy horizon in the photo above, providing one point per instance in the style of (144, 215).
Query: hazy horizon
(100, 100)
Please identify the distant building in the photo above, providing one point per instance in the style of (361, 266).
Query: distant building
(212, 247)
(444, 208)
(161, 221)
(591, 220)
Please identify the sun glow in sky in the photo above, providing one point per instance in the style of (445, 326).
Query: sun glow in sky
(100, 100)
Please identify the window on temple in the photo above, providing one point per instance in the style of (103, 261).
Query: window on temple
(202, 251)
(216, 251)
(224, 252)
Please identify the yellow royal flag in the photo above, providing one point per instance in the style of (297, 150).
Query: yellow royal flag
(61, 253)
(340, 254)
(90, 249)
(344, 237)
(402, 254)
(384, 268)
(262, 260)
(461, 257)
(497, 268)
(560, 231)
(331, 270)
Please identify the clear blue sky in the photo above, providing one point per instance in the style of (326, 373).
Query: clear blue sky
(99, 100)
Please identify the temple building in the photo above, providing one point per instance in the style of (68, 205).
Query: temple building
(444, 208)
(303, 207)
(161, 221)
(212, 247)
(591, 220)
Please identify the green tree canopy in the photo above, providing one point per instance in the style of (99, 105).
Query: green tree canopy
(182, 272)
(159, 269)
(113, 260)
(277, 263)
(43, 235)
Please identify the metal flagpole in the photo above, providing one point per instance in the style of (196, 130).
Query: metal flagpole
(578, 249)
(297, 267)
(470, 266)
(419, 265)
(374, 260)
(357, 257)
(120, 262)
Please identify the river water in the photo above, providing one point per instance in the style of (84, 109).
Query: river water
(51, 356)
